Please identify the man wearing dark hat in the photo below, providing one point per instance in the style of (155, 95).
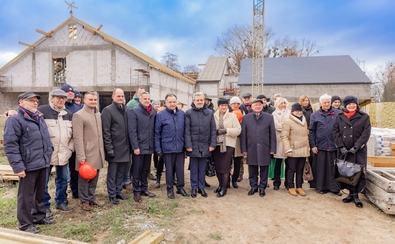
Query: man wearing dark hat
(58, 120)
(246, 106)
(77, 98)
(28, 148)
(73, 108)
(266, 107)
(258, 142)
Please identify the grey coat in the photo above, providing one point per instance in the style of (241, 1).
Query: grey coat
(258, 138)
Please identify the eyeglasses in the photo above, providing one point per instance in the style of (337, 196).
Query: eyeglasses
(32, 100)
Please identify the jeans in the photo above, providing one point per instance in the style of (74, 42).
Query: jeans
(60, 183)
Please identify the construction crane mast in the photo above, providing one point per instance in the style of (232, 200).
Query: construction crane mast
(258, 33)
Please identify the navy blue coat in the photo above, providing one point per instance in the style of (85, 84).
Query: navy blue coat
(321, 129)
(200, 131)
(27, 143)
(169, 131)
(72, 106)
(141, 129)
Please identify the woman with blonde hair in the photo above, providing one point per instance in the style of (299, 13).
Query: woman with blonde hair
(307, 107)
(279, 115)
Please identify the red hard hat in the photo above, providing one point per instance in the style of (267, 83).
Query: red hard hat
(87, 171)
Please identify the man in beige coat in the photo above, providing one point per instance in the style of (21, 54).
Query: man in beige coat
(88, 141)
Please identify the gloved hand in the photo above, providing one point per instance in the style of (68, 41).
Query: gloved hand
(353, 150)
(344, 151)
(221, 131)
(111, 154)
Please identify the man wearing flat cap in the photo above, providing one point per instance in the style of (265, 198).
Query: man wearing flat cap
(28, 148)
(58, 120)
(258, 142)
(246, 106)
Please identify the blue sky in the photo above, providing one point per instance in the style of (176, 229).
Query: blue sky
(363, 29)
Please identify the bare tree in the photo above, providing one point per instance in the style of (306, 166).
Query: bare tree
(170, 60)
(386, 82)
(236, 43)
(192, 68)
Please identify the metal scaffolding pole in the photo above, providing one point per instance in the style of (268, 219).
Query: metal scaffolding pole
(258, 30)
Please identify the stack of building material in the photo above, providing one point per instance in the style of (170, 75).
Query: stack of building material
(7, 174)
(382, 141)
(380, 188)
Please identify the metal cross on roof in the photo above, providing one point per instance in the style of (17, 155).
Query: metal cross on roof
(70, 7)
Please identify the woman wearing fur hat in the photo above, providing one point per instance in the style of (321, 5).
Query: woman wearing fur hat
(228, 128)
(295, 140)
(351, 132)
(279, 115)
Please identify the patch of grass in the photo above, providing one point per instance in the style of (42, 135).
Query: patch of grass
(7, 211)
(216, 236)
(160, 207)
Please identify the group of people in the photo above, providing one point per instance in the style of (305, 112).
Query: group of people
(67, 135)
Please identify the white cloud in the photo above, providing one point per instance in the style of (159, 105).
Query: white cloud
(5, 57)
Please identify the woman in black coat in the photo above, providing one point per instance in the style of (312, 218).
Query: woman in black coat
(351, 132)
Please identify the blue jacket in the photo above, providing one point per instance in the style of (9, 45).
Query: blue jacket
(27, 143)
(321, 129)
(169, 131)
(141, 129)
(200, 131)
(73, 107)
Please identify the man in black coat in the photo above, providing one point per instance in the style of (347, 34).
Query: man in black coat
(258, 139)
(200, 141)
(141, 136)
(116, 144)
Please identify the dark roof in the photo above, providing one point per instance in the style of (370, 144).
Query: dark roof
(306, 70)
(214, 69)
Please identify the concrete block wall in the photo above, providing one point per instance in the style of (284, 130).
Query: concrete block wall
(80, 68)
(381, 114)
(44, 69)
(103, 67)
(21, 71)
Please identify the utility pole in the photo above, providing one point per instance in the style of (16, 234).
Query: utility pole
(258, 52)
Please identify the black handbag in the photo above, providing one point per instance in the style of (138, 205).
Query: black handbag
(347, 172)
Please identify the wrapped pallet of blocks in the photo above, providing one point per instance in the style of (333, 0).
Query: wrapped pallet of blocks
(380, 188)
(381, 148)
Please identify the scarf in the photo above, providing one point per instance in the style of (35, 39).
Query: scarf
(221, 139)
(32, 115)
(349, 114)
(149, 108)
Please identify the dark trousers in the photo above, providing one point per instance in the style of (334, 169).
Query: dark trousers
(87, 189)
(74, 176)
(197, 172)
(128, 172)
(237, 161)
(141, 168)
(31, 196)
(159, 165)
(295, 166)
(277, 172)
(253, 176)
(115, 178)
(174, 161)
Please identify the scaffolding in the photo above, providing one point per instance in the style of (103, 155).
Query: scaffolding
(258, 32)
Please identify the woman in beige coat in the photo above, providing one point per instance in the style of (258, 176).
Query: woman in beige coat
(279, 115)
(228, 128)
(294, 137)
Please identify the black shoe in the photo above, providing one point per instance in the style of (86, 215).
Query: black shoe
(114, 200)
(252, 191)
(276, 188)
(324, 191)
(221, 193)
(193, 193)
(218, 189)
(234, 184)
(122, 197)
(228, 186)
(157, 183)
(151, 176)
(262, 193)
(206, 184)
(358, 203)
(337, 193)
(148, 194)
(62, 207)
(182, 192)
(32, 229)
(48, 213)
(170, 194)
(203, 193)
(66, 201)
(347, 199)
(45, 222)
(75, 196)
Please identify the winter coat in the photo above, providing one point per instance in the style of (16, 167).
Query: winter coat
(133, 103)
(307, 111)
(169, 131)
(268, 109)
(353, 132)
(258, 138)
(321, 129)
(141, 129)
(279, 117)
(27, 144)
(60, 129)
(232, 126)
(200, 131)
(88, 137)
(115, 133)
(295, 137)
(243, 108)
(72, 106)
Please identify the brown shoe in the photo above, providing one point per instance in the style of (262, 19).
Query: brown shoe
(148, 194)
(300, 191)
(137, 198)
(292, 191)
(86, 207)
(96, 203)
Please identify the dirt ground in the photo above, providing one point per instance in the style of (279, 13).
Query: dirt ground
(277, 218)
